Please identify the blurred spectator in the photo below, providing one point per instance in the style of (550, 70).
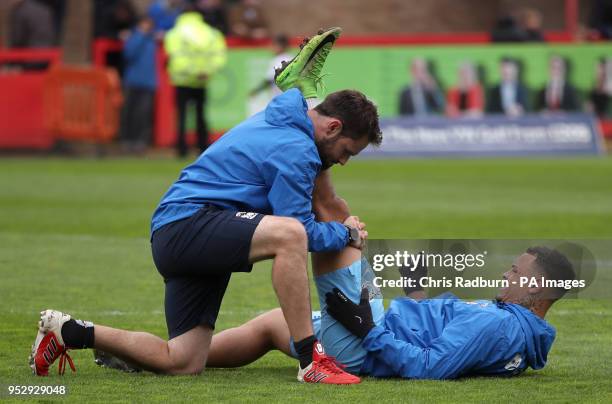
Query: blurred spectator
(510, 95)
(522, 26)
(507, 29)
(58, 10)
(467, 97)
(113, 19)
(531, 24)
(423, 95)
(599, 97)
(600, 19)
(280, 47)
(558, 94)
(140, 83)
(214, 14)
(261, 95)
(196, 52)
(32, 25)
(164, 14)
(247, 21)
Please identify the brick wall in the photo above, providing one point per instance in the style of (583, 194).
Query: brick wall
(401, 16)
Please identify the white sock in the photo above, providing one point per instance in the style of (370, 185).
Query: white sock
(312, 102)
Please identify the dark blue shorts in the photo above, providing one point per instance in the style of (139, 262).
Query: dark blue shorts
(196, 257)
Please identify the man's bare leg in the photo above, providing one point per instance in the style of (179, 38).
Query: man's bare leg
(280, 238)
(185, 354)
(242, 345)
(285, 240)
(245, 344)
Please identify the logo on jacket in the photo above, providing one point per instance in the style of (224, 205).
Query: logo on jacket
(319, 348)
(246, 215)
(514, 363)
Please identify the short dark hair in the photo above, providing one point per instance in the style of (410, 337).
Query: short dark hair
(553, 265)
(359, 115)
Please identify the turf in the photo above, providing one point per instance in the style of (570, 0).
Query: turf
(74, 236)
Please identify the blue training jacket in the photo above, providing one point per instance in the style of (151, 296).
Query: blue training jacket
(448, 338)
(139, 59)
(267, 164)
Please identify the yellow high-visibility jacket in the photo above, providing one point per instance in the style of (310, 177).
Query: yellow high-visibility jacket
(196, 51)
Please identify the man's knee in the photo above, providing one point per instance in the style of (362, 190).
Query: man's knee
(289, 233)
(187, 353)
(186, 369)
(293, 232)
(276, 236)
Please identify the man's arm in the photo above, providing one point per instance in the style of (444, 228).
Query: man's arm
(326, 205)
(329, 207)
(290, 173)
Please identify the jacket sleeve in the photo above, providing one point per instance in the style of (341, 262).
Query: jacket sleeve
(290, 173)
(463, 343)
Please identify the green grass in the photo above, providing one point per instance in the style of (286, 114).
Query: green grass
(74, 236)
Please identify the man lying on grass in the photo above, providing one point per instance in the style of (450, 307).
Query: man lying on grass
(441, 338)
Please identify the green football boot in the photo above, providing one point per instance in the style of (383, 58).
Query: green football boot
(304, 70)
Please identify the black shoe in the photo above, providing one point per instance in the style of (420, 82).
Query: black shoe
(107, 360)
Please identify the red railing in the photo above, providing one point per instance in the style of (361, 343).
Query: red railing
(21, 99)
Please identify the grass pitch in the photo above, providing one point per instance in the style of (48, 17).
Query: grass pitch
(74, 236)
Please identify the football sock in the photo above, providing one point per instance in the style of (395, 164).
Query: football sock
(304, 350)
(312, 102)
(78, 334)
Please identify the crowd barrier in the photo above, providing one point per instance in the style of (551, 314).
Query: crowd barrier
(82, 103)
(54, 101)
(21, 99)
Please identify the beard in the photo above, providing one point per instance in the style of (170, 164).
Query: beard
(324, 147)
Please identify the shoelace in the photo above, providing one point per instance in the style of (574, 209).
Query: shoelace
(319, 62)
(329, 363)
(319, 83)
(63, 358)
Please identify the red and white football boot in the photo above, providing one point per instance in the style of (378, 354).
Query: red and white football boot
(325, 369)
(49, 344)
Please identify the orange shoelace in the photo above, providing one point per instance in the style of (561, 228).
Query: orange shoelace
(63, 358)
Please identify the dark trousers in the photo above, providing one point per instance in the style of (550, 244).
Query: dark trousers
(185, 95)
(137, 117)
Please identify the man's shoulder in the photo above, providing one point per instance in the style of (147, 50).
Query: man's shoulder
(287, 141)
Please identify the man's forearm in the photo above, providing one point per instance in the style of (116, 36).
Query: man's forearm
(326, 205)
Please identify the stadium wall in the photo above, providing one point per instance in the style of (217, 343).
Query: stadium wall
(363, 17)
